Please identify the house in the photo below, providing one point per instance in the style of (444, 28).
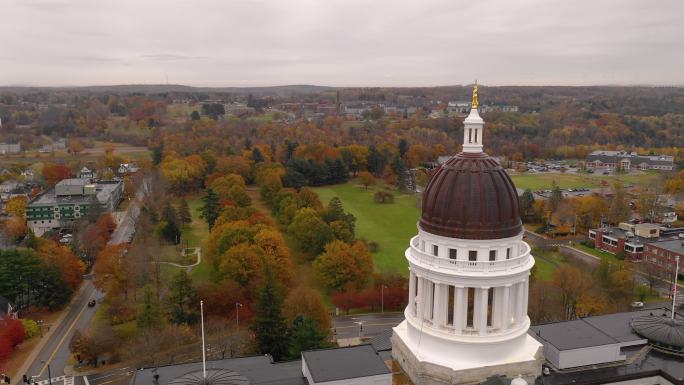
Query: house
(10, 148)
(628, 160)
(86, 173)
(127, 168)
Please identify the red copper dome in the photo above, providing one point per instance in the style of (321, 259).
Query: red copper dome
(471, 197)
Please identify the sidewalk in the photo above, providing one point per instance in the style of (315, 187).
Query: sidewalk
(16, 380)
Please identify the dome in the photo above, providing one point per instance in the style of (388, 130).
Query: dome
(471, 197)
(660, 330)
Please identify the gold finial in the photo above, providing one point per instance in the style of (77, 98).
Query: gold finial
(475, 102)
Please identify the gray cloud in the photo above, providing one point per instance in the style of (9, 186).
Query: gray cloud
(342, 42)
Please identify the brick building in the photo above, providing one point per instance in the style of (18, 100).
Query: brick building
(626, 237)
(663, 254)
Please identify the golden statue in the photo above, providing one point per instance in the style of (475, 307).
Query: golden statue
(475, 102)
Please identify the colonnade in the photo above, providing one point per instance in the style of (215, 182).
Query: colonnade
(468, 310)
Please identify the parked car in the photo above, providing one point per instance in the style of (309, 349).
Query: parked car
(637, 304)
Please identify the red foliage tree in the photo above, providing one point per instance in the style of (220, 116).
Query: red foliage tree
(53, 173)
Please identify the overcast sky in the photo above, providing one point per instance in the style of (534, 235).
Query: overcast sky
(341, 42)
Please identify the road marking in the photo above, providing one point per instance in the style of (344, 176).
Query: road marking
(73, 324)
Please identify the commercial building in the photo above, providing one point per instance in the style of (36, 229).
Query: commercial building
(70, 200)
(664, 254)
(626, 238)
(628, 160)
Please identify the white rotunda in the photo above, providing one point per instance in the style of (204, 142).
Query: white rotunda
(466, 318)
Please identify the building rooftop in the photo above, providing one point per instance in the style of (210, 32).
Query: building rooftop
(571, 335)
(673, 245)
(103, 190)
(343, 363)
(257, 370)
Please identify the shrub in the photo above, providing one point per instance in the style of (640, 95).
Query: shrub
(30, 327)
(383, 197)
(373, 246)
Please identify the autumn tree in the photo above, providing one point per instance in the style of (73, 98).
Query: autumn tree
(367, 179)
(16, 207)
(309, 303)
(527, 204)
(271, 185)
(619, 208)
(69, 265)
(572, 284)
(343, 265)
(310, 230)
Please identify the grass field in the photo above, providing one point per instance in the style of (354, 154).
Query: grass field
(390, 225)
(564, 181)
(546, 262)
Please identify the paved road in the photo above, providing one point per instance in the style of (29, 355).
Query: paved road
(374, 323)
(56, 348)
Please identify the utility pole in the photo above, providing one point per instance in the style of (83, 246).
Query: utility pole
(238, 305)
(674, 287)
(382, 298)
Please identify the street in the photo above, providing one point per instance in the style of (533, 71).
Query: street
(55, 351)
(371, 324)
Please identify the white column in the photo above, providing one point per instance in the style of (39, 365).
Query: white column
(496, 308)
(460, 309)
(520, 293)
(482, 312)
(421, 300)
(412, 293)
(526, 296)
(440, 305)
(505, 307)
(427, 296)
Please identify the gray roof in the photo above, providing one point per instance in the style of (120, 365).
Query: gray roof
(592, 331)
(343, 363)
(615, 156)
(674, 245)
(257, 370)
(570, 335)
(382, 341)
(73, 182)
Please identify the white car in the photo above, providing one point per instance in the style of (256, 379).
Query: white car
(637, 304)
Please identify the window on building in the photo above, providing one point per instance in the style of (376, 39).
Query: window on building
(452, 253)
(492, 255)
(450, 305)
(508, 253)
(435, 250)
(472, 255)
(471, 307)
(490, 305)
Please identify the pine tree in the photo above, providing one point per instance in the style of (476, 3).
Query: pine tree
(305, 335)
(181, 295)
(268, 325)
(184, 212)
(399, 168)
(170, 230)
(210, 209)
(149, 315)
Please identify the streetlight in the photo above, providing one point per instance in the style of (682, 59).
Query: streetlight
(382, 298)
(49, 373)
(238, 305)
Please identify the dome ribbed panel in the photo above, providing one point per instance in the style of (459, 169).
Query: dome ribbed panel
(471, 197)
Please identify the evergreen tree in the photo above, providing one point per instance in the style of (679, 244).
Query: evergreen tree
(180, 298)
(556, 197)
(268, 325)
(403, 148)
(305, 335)
(257, 156)
(399, 168)
(170, 230)
(195, 115)
(619, 208)
(526, 203)
(210, 210)
(149, 315)
(184, 212)
(157, 154)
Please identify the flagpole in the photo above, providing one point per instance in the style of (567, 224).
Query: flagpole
(674, 289)
(204, 356)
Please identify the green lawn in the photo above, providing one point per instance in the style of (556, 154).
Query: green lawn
(546, 262)
(390, 225)
(595, 252)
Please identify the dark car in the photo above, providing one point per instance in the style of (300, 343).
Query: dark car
(92, 303)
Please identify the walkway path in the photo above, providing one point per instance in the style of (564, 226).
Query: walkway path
(197, 251)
